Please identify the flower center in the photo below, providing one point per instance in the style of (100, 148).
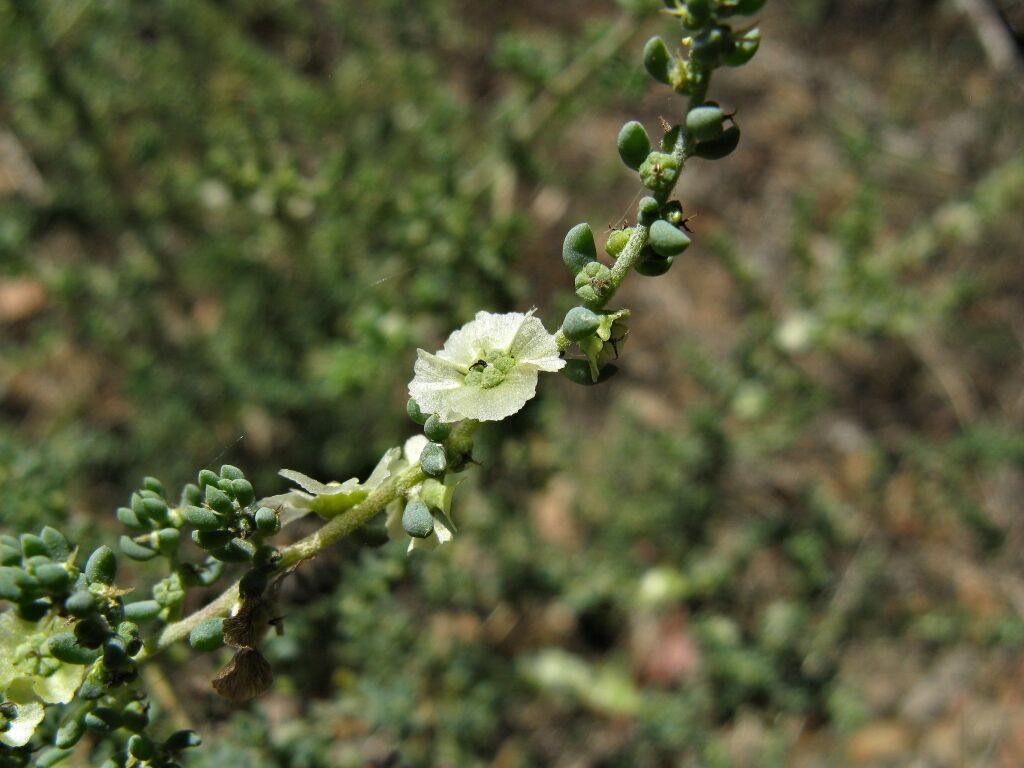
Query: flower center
(490, 369)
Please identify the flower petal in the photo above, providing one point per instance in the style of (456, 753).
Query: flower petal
(486, 332)
(435, 380)
(499, 402)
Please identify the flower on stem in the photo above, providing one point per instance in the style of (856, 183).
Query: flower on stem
(487, 369)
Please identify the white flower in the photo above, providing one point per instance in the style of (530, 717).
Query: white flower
(487, 369)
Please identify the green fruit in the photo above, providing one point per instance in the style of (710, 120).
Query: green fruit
(50, 756)
(436, 430)
(417, 520)
(154, 485)
(231, 472)
(653, 265)
(268, 522)
(659, 172)
(102, 719)
(81, 603)
(710, 46)
(218, 500)
(705, 123)
(129, 632)
(721, 147)
(657, 60)
(201, 518)
(745, 49)
(667, 240)
(579, 323)
(413, 409)
(134, 716)
(633, 143)
(34, 610)
(617, 241)
(135, 550)
(433, 460)
(101, 566)
(64, 647)
(579, 248)
(14, 582)
(10, 555)
(207, 635)
(142, 610)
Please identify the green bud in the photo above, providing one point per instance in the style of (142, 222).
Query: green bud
(219, 500)
(633, 143)
(705, 123)
(201, 518)
(578, 372)
(134, 550)
(243, 492)
(15, 583)
(81, 603)
(129, 632)
(54, 577)
(579, 248)
(115, 653)
(140, 747)
(182, 740)
(101, 567)
(417, 520)
(33, 546)
(436, 430)
(167, 541)
(594, 284)
(102, 719)
(211, 539)
(657, 60)
(728, 8)
(207, 635)
(698, 14)
(744, 49)
(413, 409)
(208, 477)
(191, 494)
(433, 460)
(231, 472)
(721, 147)
(9, 555)
(92, 631)
(617, 241)
(56, 544)
(154, 485)
(667, 240)
(579, 323)
(648, 211)
(64, 647)
(142, 610)
(135, 716)
(710, 46)
(50, 756)
(156, 509)
(128, 518)
(236, 551)
(69, 733)
(268, 522)
(659, 172)
(653, 265)
(33, 611)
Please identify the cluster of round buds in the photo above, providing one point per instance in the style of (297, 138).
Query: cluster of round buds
(37, 573)
(436, 459)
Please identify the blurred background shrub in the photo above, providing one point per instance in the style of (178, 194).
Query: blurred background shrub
(787, 534)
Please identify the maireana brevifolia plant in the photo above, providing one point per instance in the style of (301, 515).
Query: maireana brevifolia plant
(73, 642)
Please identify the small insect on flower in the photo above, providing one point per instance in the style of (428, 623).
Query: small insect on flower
(487, 370)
